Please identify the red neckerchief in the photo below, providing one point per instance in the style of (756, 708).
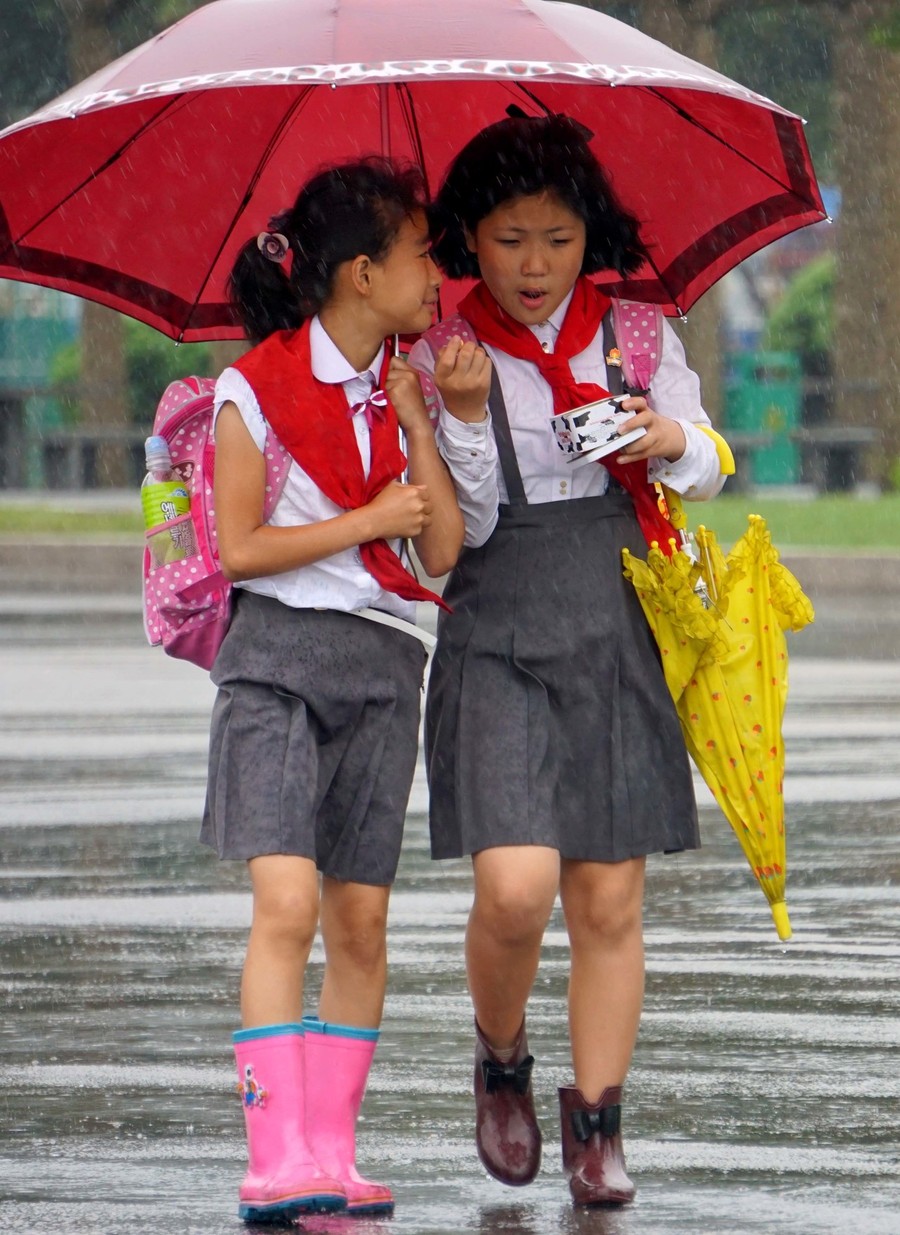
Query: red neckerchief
(312, 421)
(583, 320)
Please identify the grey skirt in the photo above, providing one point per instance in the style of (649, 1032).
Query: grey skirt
(314, 738)
(548, 719)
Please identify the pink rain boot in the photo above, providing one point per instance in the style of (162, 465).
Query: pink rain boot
(338, 1058)
(283, 1179)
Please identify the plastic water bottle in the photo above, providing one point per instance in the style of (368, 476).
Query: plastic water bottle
(166, 504)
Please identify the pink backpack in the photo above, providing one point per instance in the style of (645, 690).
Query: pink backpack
(187, 604)
(638, 330)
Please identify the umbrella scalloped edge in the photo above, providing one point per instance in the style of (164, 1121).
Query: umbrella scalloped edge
(793, 606)
(669, 582)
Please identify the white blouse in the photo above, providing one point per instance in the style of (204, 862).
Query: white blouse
(340, 581)
(470, 451)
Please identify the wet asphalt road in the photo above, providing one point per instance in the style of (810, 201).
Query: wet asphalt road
(765, 1093)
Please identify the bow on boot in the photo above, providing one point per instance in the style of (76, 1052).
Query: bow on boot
(593, 1157)
(507, 1135)
(607, 1122)
(497, 1074)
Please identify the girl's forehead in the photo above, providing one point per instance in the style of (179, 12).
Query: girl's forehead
(539, 210)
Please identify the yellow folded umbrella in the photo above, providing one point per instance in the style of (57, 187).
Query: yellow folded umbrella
(720, 626)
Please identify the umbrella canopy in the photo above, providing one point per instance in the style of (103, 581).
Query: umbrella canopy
(137, 187)
(720, 623)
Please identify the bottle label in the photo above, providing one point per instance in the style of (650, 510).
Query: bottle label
(165, 500)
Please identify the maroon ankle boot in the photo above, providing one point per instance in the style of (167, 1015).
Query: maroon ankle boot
(593, 1158)
(507, 1135)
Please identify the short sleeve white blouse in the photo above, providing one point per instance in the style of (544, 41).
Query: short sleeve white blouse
(340, 581)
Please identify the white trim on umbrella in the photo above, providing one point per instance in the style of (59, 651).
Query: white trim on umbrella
(73, 104)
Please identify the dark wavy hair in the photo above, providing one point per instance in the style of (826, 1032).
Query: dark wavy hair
(343, 211)
(522, 157)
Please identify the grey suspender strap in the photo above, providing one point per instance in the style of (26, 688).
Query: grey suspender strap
(614, 379)
(509, 465)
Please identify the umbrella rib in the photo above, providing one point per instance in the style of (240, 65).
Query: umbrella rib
(534, 98)
(673, 296)
(271, 145)
(96, 173)
(686, 115)
(407, 107)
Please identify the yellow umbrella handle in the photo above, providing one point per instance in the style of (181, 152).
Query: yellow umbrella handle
(723, 450)
(673, 507)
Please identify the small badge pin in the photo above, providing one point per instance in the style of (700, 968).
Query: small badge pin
(614, 358)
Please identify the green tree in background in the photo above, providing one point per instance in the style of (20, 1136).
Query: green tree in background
(151, 362)
(35, 63)
(803, 320)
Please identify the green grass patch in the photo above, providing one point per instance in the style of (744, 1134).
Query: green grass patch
(830, 522)
(38, 521)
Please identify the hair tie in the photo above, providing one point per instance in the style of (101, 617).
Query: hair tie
(273, 245)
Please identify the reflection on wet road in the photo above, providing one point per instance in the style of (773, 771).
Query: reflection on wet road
(765, 1094)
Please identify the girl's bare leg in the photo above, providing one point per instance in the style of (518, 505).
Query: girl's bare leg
(354, 925)
(603, 903)
(515, 888)
(285, 909)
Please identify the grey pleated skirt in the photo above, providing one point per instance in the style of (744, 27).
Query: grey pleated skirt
(548, 718)
(314, 738)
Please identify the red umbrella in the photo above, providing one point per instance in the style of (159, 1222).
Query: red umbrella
(137, 187)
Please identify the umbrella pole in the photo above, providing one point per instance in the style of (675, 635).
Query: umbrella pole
(383, 110)
(404, 479)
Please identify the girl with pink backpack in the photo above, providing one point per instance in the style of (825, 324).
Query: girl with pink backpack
(315, 725)
(555, 756)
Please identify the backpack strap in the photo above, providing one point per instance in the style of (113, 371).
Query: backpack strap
(436, 338)
(638, 331)
(278, 464)
(637, 336)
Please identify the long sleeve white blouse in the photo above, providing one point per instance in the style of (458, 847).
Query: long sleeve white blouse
(470, 450)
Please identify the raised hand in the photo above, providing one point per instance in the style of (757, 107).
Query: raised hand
(664, 438)
(462, 374)
(405, 392)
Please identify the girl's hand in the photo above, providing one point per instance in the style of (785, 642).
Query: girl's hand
(664, 438)
(398, 511)
(403, 388)
(462, 375)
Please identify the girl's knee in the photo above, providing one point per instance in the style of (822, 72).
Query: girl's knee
(515, 892)
(287, 916)
(362, 947)
(354, 928)
(609, 925)
(603, 905)
(514, 910)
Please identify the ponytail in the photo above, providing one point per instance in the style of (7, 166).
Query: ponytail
(342, 212)
(262, 293)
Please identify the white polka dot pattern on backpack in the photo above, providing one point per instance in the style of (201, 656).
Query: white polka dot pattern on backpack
(187, 603)
(638, 329)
